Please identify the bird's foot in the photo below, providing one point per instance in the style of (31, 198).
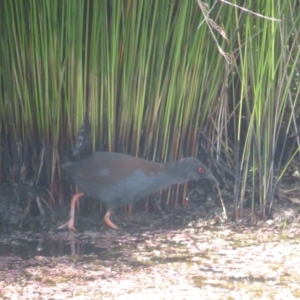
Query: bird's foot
(108, 222)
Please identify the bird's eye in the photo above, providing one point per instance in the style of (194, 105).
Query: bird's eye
(201, 170)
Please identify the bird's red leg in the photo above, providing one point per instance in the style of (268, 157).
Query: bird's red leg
(109, 222)
(74, 200)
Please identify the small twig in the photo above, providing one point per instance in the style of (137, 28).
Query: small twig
(212, 24)
(38, 201)
(249, 11)
(41, 165)
(222, 203)
(207, 14)
(63, 225)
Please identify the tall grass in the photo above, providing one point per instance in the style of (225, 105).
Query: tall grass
(264, 101)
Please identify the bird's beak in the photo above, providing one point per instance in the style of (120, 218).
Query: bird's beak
(211, 177)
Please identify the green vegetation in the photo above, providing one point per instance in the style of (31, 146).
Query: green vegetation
(155, 85)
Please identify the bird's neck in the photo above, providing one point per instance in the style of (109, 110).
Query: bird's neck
(175, 171)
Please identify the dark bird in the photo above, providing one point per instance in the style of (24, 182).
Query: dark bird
(117, 179)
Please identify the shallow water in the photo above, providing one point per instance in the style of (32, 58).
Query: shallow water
(197, 260)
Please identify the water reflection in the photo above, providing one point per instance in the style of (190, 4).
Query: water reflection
(49, 248)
